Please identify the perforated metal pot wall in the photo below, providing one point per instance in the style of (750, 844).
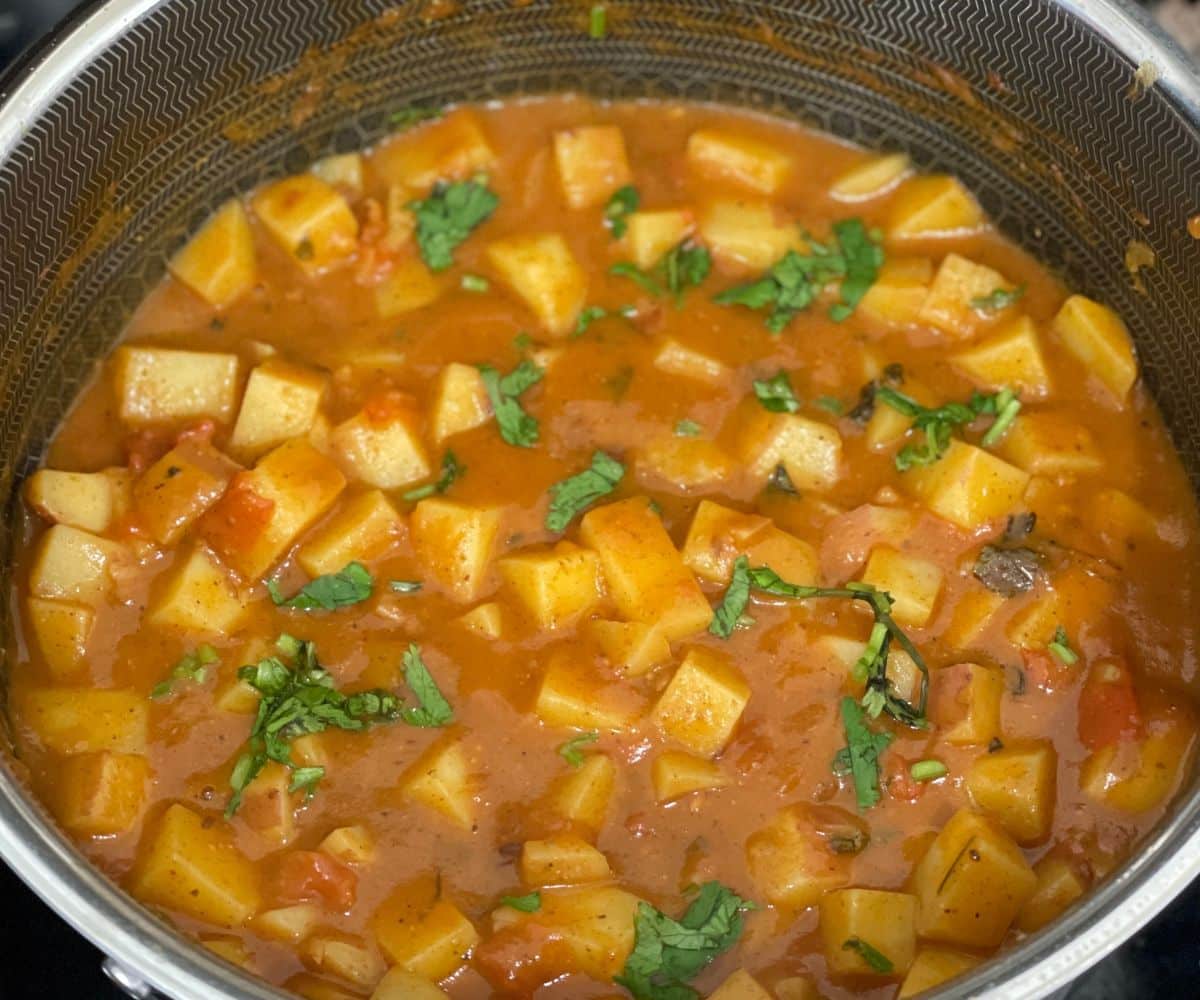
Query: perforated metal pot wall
(163, 109)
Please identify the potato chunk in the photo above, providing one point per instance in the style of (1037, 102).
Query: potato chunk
(486, 620)
(1015, 786)
(948, 306)
(73, 565)
(62, 630)
(177, 489)
(677, 774)
(309, 219)
(702, 703)
(971, 883)
(717, 536)
(101, 794)
(883, 920)
(400, 984)
(740, 986)
(543, 272)
(218, 263)
(810, 451)
(562, 860)
(634, 648)
(582, 797)
(683, 465)
(341, 170)
(573, 694)
(455, 543)
(1012, 358)
(932, 205)
(895, 298)
(1098, 338)
(450, 149)
(363, 528)
(441, 780)
(460, 401)
(591, 163)
(967, 486)
(347, 958)
(281, 401)
(268, 808)
(747, 235)
(1137, 775)
(651, 235)
(198, 597)
(790, 861)
(913, 583)
(85, 720)
(193, 867)
(157, 385)
(1050, 444)
(872, 177)
(422, 934)
(1059, 884)
(965, 703)
(934, 966)
(557, 586)
(82, 500)
(645, 575)
(352, 845)
(749, 162)
(409, 286)
(381, 444)
(290, 924)
(676, 359)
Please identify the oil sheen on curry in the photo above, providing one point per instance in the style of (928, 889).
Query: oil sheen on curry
(585, 550)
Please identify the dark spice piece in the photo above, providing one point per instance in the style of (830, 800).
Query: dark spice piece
(1007, 572)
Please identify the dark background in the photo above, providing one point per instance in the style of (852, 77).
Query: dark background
(45, 960)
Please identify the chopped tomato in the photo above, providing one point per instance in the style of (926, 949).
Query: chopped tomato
(144, 448)
(520, 959)
(313, 875)
(898, 780)
(387, 407)
(1108, 706)
(1044, 670)
(239, 518)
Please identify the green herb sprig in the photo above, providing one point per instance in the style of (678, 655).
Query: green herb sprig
(529, 903)
(516, 426)
(776, 393)
(191, 666)
(999, 298)
(937, 424)
(328, 592)
(575, 494)
(623, 203)
(876, 959)
(452, 470)
(1060, 647)
(572, 750)
(859, 758)
(684, 266)
(448, 216)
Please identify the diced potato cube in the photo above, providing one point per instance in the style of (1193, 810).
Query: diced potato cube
(557, 586)
(441, 779)
(1076, 595)
(971, 883)
(702, 702)
(344, 170)
(455, 542)
(791, 863)
(562, 860)
(410, 285)
(218, 263)
(1058, 886)
(400, 984)
(883, 920)
(352, 845)
(913, 583)
(677, 774)
(266, 509)
(1012, 358)
(645, 575)
(232, 950)
(156, 385)
(72, 565)
(193, 867)
(1050, 444)
(364, 528)
(351, 960)
(746, 161)
(684, 465)
(796, 988)
(1135, 776)
(965, 703)
(62, 630)
(740, 986)
(460, 401)
(289, 924)
(101, 794)
(932, 205)
(381, 445)
(543, 272)
(675, 359)
(80, 499)
(312, 987)
(423, 934)
(582, 797)
(85, 720)
(947, 308)
(634, 648)
(651, 235)
(973, 612)
(747, 234)
(399, 235)
(717, 536)
(1015, 785)
(281, 401)
(268, 808)
(791, 557)
(198, 597)
(887, 426)
(486, 620)
(309, 219)
(170, 495)
(872, 177)
(1120, 522)
(450, 149)
(1098, 338)
(934, 966)
(967, 486)
(573, 694)
(895, 298)
(591, 163)
(809, 450)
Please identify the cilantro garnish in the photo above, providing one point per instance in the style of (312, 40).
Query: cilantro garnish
(574, 495)
(628, 269)
(597, 21)
(571, 750)
(529, 903)
(191, 666)
(474, 283)
(928, 770)
(432, 709)
(1000, 298)
(688, 428)
(668, 952)
(863, 257)
(1060, 646)
(516, 426)
(776, 394)
(448, 216)
(860, 756)
(451, 470)
(295, 700)
(737, 595)
(937, 424)
(684, 266)
(305, 779)
(876, 959)
(623, 202)
(830, 403)
(408, 117)
(328, 592)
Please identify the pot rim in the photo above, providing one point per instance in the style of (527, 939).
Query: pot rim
(159, 956)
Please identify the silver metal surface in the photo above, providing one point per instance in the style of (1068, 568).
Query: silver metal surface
(148, 953)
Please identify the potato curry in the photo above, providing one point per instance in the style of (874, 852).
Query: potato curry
(587, 550)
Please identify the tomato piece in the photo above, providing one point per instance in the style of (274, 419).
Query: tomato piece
(144, 448)
(520, 959)
(239, 518)
(1108, 706)
(387, 407)
(898, 780)
(1044, 670)
(313, 875)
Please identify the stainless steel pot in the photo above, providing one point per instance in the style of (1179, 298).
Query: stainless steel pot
(140, 115)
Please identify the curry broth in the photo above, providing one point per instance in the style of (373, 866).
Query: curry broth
(604, 392)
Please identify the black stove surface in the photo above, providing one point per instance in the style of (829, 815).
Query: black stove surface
(47, 960)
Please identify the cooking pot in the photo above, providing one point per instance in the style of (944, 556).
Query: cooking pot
(1074, 122)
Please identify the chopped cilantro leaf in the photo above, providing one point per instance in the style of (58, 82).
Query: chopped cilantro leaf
(451, 470)
(776, 394)
(587, 317)
(529, 903)
(522, 342)
(191, 666)
(688, 429)
(432, 709)
(474, 283)
(574, 495)
(863, 257)
(628, 269)
(408, 117)
(1060, 646)
(328, 592)
(597, 21)
(685, 266)
(861, 754)
(831, 403)
(1000, 298)
(869, 954)
(571, 751)
(305, 779)
(516, 426)
(737, 595)
(937, 424)
(928, 770)
(623, 202)
(448, 216)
